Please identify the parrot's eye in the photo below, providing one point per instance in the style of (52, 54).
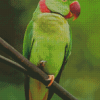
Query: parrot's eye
(64, 0)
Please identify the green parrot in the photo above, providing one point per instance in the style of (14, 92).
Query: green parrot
(47, 42)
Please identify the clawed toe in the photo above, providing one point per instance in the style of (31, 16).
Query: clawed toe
(51, 77)
(42, 63)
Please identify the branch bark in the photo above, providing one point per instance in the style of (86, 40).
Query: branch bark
(26, 66)
(13, 64)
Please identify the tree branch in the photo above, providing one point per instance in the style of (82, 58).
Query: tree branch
(31, 70)
(12, 64)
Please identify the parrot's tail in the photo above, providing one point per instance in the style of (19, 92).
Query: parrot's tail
(38, 90)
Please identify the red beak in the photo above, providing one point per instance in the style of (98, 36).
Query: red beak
(74, 10)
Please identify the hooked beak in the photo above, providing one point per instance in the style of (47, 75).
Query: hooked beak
(74, 10)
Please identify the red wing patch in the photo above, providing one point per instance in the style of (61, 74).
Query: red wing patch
(30, 95)
(46, 96)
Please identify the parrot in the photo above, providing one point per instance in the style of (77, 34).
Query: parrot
(47, 43)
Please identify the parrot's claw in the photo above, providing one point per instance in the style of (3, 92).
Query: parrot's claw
(42, 63)
(51, 77)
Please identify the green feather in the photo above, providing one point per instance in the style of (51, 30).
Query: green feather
(28, 40)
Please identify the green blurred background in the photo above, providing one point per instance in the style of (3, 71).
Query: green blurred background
(81, 77)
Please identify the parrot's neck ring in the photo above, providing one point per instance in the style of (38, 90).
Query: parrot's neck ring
(43, 7)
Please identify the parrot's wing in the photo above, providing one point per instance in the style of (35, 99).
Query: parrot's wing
(27, 44)
(66, 56)
(67, 51)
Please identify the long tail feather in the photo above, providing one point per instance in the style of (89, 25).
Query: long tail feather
(38, 90)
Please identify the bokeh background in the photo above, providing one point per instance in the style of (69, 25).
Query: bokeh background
(81, 77)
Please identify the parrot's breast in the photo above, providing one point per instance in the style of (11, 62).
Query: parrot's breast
(52, 25)
(51, 35)
(49, 51)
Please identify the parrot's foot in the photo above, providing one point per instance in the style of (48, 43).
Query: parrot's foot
(42, 63)
(51, 77)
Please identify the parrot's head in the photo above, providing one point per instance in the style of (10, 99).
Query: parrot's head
(66, 8)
